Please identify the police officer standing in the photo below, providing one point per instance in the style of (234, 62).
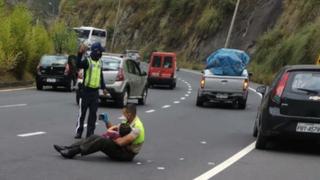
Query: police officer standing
(92, 82)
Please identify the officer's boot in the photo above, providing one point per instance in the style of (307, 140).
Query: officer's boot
(70, 153)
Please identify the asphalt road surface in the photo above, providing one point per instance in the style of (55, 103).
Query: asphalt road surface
(182, 141)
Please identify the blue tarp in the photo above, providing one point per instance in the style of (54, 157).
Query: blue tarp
(228, 62)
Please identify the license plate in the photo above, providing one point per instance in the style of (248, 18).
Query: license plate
(50, 80)
(222, 96)
(155, 74)
(308, 127)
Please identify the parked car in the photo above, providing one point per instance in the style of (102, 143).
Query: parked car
(162, 69)
(290, 106)
(56, 70)
(123, 78)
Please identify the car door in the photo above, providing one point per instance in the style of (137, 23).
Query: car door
(133, 78)
(141, 80)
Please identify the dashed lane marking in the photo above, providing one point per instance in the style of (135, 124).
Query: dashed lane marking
(161, 168)
(150, 111)
(31, 134)
(12, 105)
(183, 98)
(166, 106)
(176, 102)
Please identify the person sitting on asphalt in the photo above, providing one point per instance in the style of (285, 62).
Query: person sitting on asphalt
(122, 148)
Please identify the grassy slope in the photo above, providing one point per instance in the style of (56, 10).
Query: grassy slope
(294, 40)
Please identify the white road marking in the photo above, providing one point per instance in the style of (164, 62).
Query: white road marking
(139, 163)
(187, 95)
(211, 163)
(176, 102)
(166, 106)
(161, 168)
(255, 92)
(181, 159)
(203, 142)
(225, 164)
(149, 161)
(183, 98)
(31, 134)
(189, 92)
(12, 105)
(150, 111)
(18, 89)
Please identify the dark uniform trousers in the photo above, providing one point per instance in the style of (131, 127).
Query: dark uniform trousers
(89, 99)
(97, 143)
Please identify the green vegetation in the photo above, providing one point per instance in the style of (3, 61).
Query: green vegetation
(295, 40)
(23, 41)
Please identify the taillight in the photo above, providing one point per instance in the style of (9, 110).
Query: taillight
(245, 84)
(120, 75)
(277, 92)
(67, 69)
(202, 82)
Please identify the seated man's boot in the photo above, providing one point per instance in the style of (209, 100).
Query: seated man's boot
(59, 148)
(70, 153)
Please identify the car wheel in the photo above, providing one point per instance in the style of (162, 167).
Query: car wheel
(70, 87)
(255, 130)
(123, 101)
(173, 85)
(199, 102)
(142, 101)
(242, 104)
(261, 142)
(39, 86)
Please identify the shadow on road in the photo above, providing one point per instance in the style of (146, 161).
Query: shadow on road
(310, 147)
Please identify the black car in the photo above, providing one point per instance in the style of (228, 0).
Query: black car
(56, 70)
(290, 106)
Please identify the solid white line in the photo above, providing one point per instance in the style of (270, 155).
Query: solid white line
(165, 106)
(255, 92)
(176, 102)
(222, 166)
(31, 134)
(150, 111)
(18, 89)
(13, 105)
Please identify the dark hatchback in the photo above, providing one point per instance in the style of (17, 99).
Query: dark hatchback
(56, 70)
(290, 107)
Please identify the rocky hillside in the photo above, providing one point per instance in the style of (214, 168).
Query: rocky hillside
(192, 28)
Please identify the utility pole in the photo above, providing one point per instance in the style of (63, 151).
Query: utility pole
(232, 24)
(115, 26)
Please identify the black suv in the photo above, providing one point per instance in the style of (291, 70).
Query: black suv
(56, 70)
(290, 106)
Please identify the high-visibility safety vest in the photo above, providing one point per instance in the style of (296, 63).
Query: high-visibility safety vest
(138, 124)
(93, 74)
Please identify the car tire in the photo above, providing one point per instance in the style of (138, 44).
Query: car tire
(142, 101)
(261, 142)
(123, 100)
(242, 104)
(199, 102)
(255, 130)
(70, 86)
(39, 86)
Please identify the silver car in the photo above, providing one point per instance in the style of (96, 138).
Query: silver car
(124, 80)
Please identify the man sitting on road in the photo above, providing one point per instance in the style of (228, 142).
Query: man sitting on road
(122, 148)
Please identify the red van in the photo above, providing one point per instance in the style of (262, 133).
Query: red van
(162, 69)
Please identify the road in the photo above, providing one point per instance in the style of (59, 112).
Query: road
(182, 141)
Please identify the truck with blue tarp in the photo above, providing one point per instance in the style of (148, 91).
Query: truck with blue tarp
(225, 78)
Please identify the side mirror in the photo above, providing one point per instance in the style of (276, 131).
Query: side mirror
(202, 71)
(261, 89)
(250, 74)
(143, 73)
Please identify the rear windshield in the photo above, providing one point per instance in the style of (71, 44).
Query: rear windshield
(167, 63)
(307, 82)
(82, 33)
(110, 64)
(99, 33)
(53, 60)
(156, 61)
